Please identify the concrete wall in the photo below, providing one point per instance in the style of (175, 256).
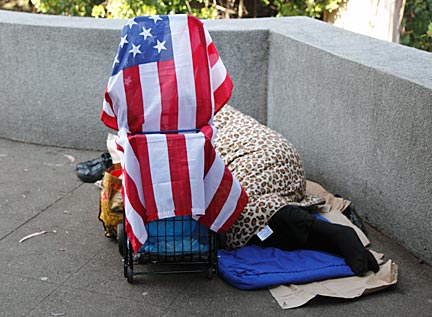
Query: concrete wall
(53, 73)
(360, 113)
(359, 110)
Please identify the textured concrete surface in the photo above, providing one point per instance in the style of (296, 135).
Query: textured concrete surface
(54, 71)
(363, 132)
(73, 270)
(358, 109)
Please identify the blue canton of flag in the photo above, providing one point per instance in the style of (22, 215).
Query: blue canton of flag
(144, 40)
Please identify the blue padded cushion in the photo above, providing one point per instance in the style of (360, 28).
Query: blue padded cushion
(253, 266)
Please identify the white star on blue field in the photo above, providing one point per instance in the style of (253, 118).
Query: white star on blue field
(144, 40)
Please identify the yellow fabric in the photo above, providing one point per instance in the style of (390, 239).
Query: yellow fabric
(111, 202)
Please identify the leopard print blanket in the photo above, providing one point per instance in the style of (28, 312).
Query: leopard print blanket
(267, 166)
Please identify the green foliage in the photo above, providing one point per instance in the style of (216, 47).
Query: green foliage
(121, 9)
(207, 9)
(417, 24)
(129, 8)
(66, 7)
(15, 5)
(312, 8)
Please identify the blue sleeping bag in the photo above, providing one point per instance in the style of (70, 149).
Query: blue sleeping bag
(253, 266)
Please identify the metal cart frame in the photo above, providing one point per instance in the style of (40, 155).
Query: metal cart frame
(190, 262)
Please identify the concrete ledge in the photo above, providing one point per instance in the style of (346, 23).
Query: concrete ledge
(54, 71)
(359, 110)
(363, 133)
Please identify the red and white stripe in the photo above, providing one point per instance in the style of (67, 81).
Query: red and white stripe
(166, 175)
(183, 93)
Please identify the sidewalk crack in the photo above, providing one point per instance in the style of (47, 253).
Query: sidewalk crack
(41, 212)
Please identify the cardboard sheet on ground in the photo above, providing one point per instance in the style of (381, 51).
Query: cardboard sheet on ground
(291, 296)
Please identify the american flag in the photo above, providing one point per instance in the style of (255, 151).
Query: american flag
(167, 75)
(168, 175)
(167, 82)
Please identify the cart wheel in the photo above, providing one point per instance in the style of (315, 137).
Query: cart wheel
(125, 265)
(121, 238)
(128, 262)
(210, 273)
(125, 270)
(129, 274)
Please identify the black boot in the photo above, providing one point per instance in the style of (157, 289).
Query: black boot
(342, 240)
(92, 171)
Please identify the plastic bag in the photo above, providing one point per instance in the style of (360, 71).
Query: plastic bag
(111, 202)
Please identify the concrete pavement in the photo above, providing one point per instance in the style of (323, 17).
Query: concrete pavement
(73, 270)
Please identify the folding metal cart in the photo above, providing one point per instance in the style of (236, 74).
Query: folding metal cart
(181, 243)
(166, 84)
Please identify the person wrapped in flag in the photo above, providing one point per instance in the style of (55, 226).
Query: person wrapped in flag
(167, 83)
